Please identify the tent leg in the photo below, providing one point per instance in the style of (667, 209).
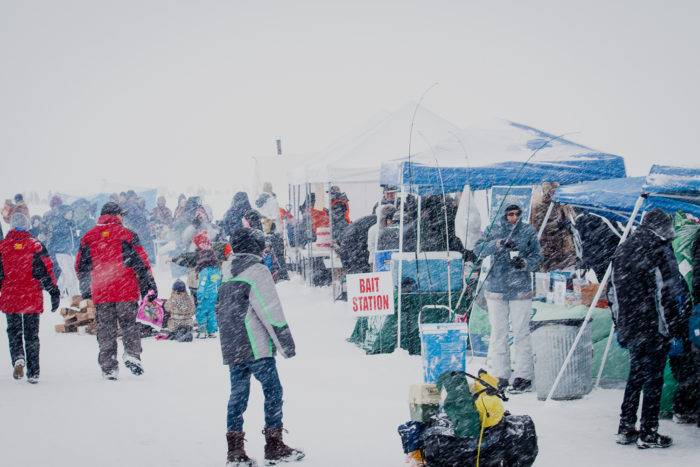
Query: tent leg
(605, 355)
(545, 220)
(599, 292)
(400, 275)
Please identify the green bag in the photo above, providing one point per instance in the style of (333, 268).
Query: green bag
(686, 233)
(459, 404)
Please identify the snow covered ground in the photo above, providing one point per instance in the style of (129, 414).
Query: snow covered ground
(341, 406)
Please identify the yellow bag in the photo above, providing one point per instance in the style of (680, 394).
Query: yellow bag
(490, 407)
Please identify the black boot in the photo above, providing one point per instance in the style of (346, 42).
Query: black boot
(275, 449)
(236, 456)
(626, 435)
(653, 439)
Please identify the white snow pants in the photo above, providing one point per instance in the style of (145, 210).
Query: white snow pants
(68, 282)
(517, 312)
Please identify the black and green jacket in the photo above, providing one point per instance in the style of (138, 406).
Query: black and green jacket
(249, 313)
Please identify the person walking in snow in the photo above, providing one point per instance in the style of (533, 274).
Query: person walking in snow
(233, 219)
(648, 314)
(64, 245)
(25, 269)
(253, 328)
(515, 253)
(114, 271)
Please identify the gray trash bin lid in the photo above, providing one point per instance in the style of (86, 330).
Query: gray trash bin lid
(562, 322)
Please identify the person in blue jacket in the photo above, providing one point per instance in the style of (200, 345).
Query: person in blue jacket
(515, 253)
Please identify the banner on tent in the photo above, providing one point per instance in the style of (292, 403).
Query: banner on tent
(370, 294)
(504, 196)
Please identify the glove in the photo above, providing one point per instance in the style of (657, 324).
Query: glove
(676, 349)
(55, 299)
(518, 263)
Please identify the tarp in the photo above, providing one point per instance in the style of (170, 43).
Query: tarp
(613, 198)
(357, 157)
(673, 189)
(498, 154)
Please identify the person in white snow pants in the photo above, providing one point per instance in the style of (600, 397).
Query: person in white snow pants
(515, 253)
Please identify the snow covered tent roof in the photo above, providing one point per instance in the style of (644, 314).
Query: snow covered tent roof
(673, 189)
(614, 198)
(496, 154)
(357, 157)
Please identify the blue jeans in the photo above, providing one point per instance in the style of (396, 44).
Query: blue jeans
(265, 371)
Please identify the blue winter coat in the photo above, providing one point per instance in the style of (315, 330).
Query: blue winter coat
(63, 237)
(504, 278)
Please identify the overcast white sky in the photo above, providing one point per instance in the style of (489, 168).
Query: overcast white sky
(178, 92)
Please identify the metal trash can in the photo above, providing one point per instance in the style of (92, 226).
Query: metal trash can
(551, 341)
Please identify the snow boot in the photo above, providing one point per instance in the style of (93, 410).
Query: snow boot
(236, 456)
(111, 375)
(520, 386)
(653, 440)
(212, 335)
(18, 372)
(201, 334)
(33, 379)
(275, 449)
(626, 436)
(133, 364)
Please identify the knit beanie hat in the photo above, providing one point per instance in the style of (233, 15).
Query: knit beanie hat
(201, 240)
(179, 286)
(660, 223)
(247, 240)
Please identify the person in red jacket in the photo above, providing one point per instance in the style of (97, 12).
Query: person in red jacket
(113, 271)
(25, 269)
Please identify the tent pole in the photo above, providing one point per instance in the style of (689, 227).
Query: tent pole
(545, 220)
(418, 222)
(599, 292)
(400, 275)
(330, 224)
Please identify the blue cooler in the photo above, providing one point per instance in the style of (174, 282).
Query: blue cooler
(444, 348)
(430, 271)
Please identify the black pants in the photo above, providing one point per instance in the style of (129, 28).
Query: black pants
(685, 370)
(647, 364)
(23, 335)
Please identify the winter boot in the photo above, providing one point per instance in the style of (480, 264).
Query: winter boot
(111, 375)
(18, 372)
(275, 449)
(133, 364)
(520, 385)
(653, 439)
(212, 335)
(201, 333)
(33, 379)
(626, 436)
(236, 456)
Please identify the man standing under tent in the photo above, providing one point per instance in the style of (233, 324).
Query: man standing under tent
(648, 314)
(515, 252)
(114, 272)
(557, 243)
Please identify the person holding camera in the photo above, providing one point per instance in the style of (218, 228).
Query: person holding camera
(515, 254)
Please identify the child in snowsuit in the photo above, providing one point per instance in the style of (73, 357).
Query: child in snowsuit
(206, 262)
(253, 328)
(180, 307)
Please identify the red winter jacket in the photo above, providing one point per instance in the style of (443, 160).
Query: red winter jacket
(25, 268)
(112, 265)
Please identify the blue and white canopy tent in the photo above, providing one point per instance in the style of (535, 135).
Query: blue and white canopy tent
(613, 199)
(506, 153)
(668, 188)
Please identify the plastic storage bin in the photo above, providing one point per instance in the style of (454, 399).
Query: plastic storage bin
(551, 341)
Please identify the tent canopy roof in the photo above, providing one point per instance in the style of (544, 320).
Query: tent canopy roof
(501, 153)
(673, 189)
(614, 198)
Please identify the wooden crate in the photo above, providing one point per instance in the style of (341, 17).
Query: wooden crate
(63, 328)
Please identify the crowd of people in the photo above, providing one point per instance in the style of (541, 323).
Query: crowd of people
(230, 268)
